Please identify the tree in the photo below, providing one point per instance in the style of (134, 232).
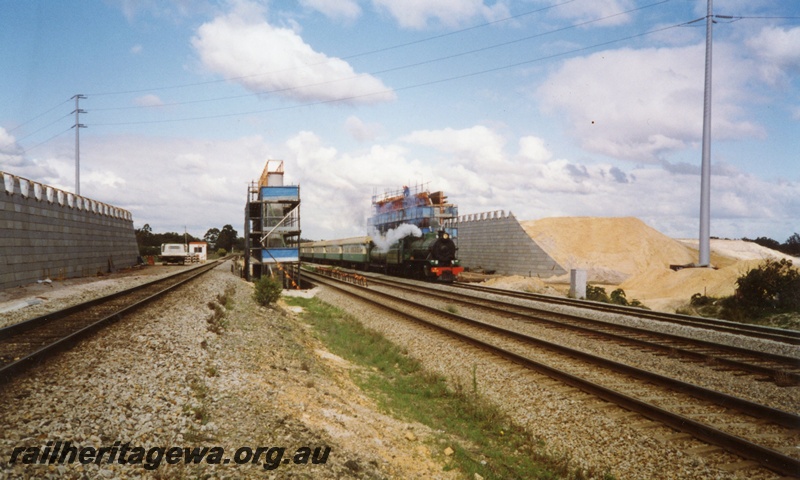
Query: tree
(773, 286)
(766, 242)
(792, 245)
(227, 238)
(211, 237)
(146, 240)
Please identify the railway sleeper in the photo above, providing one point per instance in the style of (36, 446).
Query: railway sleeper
(705, 450)
(646, 424)
(674, 437)
(739, 466)
(624, 415)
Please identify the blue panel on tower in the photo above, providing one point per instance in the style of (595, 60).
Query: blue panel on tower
(287, 192)
(280, 255)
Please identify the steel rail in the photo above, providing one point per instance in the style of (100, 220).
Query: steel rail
(497, 306)
(768, 333)
(12, 334)
(766, 457)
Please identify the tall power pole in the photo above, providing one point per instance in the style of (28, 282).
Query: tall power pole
(78, 125)
(705, 175)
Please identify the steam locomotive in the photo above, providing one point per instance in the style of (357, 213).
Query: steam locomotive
(429, 256)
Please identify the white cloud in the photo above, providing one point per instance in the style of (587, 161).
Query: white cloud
(105, 179)
(362, 131)
(136, 49)
(777, 51)
(478, 145)
(335, 9)
(639, 105)
(263, 58)
(534, 149)
(450, 13)
(173, 9)
(585, 11)
(8, 144)
(201, 184)
(336, 187)
(149, 100)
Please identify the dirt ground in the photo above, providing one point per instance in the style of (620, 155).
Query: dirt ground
(34, 299)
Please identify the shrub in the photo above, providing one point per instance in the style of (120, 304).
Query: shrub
(597, 294)
(221, 252)
(268, 291)
(617, 297)
(700, 300)
(773, 286)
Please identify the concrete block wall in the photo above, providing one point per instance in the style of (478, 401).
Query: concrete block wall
(496, 241)
(49, 233)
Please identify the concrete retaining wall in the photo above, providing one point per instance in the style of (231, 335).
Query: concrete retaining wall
(49, 233)
(496, 241)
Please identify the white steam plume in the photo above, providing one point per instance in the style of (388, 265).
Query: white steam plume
(383, 242)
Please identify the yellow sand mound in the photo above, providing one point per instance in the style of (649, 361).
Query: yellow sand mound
(611, 250)
(625, 252)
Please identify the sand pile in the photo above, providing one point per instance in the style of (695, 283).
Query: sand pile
(625, 252)
(739, 250)
(611, 250)
(666, 290)
(522, 284)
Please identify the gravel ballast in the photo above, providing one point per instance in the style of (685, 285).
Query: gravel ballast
(161, 378)
(593, 433)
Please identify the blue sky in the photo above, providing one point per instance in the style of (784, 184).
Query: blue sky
(539, 107)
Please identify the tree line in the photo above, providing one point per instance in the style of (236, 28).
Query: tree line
(226, 238)
(790, 247)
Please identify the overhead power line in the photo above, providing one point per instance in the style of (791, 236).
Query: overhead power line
(49, 139)
(397, 68)
(37, 117)
(42, 128)
(356, 55)
(407, 87)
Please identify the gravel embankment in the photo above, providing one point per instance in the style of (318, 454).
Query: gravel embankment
(744, 386)
(593, 434)
(30, 301)
(161, 378)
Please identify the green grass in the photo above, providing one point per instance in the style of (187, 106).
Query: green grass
(484, 439)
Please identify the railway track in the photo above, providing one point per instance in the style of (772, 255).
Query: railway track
(780, 369)
(23, 343)
(748, 429)
(758, 331)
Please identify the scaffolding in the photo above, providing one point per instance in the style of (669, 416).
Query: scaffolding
(427, 210)
(272, 228)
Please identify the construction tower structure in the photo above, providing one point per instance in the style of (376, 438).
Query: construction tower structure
(272, 228)
(429, 211)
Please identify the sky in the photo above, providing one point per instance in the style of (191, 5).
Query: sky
(541, 108)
